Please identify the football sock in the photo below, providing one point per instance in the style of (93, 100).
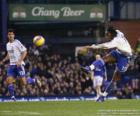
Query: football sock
(11, 89)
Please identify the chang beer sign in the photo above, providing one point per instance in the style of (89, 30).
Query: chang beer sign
(40, 12)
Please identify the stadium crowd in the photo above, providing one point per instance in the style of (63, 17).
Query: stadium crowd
(61, 75)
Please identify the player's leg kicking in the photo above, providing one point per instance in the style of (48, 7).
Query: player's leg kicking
(27, 80)
(34, 80)
(122, 64)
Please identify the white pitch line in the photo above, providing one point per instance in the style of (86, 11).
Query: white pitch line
(20, 112)
(6, 111)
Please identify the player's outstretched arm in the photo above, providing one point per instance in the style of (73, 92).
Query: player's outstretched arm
(107, 45)
(81, 50)
(86, 47)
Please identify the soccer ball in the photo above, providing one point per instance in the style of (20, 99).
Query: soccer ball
(39, 40)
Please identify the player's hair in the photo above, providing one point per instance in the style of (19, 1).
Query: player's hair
(11, 30)
(112, 30)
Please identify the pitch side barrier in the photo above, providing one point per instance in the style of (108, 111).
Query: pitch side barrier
(58, 98)
(53, 98)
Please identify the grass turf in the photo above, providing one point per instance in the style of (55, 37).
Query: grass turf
(71, 108)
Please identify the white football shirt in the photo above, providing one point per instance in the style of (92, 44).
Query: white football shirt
(119, 42)
(14, 50)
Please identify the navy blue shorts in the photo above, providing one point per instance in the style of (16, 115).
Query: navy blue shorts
(15, 71)
(122, 61)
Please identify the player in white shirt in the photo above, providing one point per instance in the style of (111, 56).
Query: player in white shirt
(120, 54)
(16, 52)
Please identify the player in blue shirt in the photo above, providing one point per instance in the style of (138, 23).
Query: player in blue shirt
(98, 73)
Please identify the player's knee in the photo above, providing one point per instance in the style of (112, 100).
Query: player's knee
(23, 81)
(109, 58)
(10, 80)
(123, 69)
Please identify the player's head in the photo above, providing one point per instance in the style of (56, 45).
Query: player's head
(111, 33)
(98, 56)
(11, 35)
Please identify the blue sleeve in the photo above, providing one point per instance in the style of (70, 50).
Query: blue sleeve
(97, 63)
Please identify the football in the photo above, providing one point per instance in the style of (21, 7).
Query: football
(39, 40)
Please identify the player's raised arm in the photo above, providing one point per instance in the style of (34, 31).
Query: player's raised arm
(81, 49)
(111, 36)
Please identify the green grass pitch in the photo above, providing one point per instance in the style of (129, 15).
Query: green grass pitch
(71, 108)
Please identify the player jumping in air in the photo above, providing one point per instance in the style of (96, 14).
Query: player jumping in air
(16, 53)
(120, 54)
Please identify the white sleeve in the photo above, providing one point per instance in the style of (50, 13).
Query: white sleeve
(119, 33)
(111, 44)
(21, 47)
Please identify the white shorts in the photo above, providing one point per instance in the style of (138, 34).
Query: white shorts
(97, 81)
